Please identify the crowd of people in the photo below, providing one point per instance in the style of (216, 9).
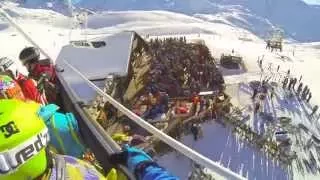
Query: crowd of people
(173, 73)
(180, 68)
(293, 87)
(302, 91)
(288, 82)
(39, 141)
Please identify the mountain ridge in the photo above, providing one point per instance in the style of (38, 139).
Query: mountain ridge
(295, 17)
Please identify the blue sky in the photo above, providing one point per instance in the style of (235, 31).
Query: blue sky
(312, 1)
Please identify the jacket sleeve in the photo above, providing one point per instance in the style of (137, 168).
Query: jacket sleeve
(155, 172)
(30, 91)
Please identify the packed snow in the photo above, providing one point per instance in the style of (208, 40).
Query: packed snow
(52, 30)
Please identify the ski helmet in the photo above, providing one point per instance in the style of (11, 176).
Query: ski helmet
(9, 89)
(29, 55)
(7, 64)
(23, 140)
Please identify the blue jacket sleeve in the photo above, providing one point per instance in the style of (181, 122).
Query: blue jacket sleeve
(154, 172)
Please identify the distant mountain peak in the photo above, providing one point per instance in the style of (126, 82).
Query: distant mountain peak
(295, 17)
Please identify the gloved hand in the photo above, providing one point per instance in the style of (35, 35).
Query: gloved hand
(135, 156)
(41, 82)
(131, 157)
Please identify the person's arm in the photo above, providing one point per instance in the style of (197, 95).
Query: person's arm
(141, 164)
(153, 171)
(31, 92)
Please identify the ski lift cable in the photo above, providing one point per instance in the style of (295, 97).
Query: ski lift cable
(71, 18)
(164, 137)
(195, 156)
(20, 30)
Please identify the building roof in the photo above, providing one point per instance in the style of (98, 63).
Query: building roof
(113, 57)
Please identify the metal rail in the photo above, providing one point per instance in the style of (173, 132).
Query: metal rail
(190, 153)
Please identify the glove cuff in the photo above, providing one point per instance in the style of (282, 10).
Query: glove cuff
(139, 169)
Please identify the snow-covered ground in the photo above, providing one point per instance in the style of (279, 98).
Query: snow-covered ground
(51, 31)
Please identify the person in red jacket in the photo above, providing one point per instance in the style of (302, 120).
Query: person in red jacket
(43, 71)
(30, 58)
(28, 85)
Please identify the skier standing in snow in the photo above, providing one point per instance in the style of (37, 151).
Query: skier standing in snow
(299, 89)
(200, 131)
(303, 96)
(256, 107)
(314, 110)
(294, 83)
(285, 82)
(272, 93)
(305, 89)
(307, 92)
(261, 62)
(290, 84)
(309, 98)
(255, 92)
(195, 131)
(270, 67)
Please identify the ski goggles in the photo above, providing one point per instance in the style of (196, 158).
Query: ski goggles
(11, 160)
